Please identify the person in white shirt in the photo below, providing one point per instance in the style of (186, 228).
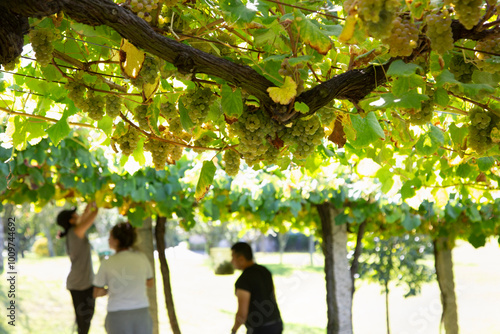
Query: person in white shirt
(125, 277)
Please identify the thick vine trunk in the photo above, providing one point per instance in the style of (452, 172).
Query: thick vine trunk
(357, 253)
(145, 245)
(444, 273)
(165, 272)
(338, 279)
(352, 85)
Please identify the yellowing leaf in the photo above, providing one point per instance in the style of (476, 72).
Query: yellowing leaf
(149, 90)
(285, 93)
(131, 59)
(348, 30)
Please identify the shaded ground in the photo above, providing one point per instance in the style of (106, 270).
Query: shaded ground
(205, 302)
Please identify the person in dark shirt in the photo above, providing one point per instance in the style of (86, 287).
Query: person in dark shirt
(257, 306)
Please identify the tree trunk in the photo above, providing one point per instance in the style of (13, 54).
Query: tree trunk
(388, 324)
(357, 253)
(282, 241)
(145, 245)
(444, 273)
(311, 249)
(338, 279)
(50, 244)
(165, 272)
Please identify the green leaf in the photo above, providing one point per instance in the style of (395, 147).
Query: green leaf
(400, 68)
(237, 11)
(411, 100)
(138, 153)
(301, 107)
(232, 104)
(367, 129)
(410, 222)
(458, 134)
(485, 163)
(477, 240)
(464, 170)
(106, 125)
(186, 121)
(311, 34)
(205, 180)
(446, 77)
(430, 142)
(59, 130)
(136, 216)
(385, 177)
(441, 97)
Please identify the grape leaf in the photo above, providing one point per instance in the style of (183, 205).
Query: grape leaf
(285, 93)
(205, 180)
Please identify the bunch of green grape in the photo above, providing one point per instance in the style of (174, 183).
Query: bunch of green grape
(439, 31)
(468, 12)
(304, 135)
(95, 107)
(168, 110)
(483, 59)
(231, 162)
(11, 66)
(424, 115)
(403, 38)
(253, 129)
(198, 102)
(149, 72)
(461, 69)
(141, 116)
(128, 142)
(377, 16)
(202, 141)
(327, 115)
(175, 126)
(41, 41)
(76, 93)
(143, 8)
(159, 151)
(113, 105)
(481, 124)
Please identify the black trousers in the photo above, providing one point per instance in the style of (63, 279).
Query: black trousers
(276, 328)
(84, 304)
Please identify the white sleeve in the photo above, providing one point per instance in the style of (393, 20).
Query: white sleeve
(101, 278)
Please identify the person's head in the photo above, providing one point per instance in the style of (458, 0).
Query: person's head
(241, 255)
(66, 219)
(122, 236)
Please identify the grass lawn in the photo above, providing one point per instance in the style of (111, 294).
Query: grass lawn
(205, 303)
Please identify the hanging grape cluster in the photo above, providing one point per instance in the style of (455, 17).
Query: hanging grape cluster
(141, 116)
(468, 12)
(439, 31)
(95, 106)
(403, 38)
(143, 8)
(171, 114)
(481, 124)
(76, 93)
(327, 115)
(231, 162)
(424, 114)
(377, 16)
(149, 72)
(113, 105)
(128, 142)
(304, 135)
(461, 69)
(41, 41)
(198, 102)
(203, 141)
(11, 66)
(483, 59)
(253, 130)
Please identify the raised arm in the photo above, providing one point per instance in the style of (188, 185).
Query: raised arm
(86, 219)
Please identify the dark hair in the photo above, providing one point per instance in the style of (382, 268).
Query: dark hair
(63, 219)
(125, 234)
(242, 248)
